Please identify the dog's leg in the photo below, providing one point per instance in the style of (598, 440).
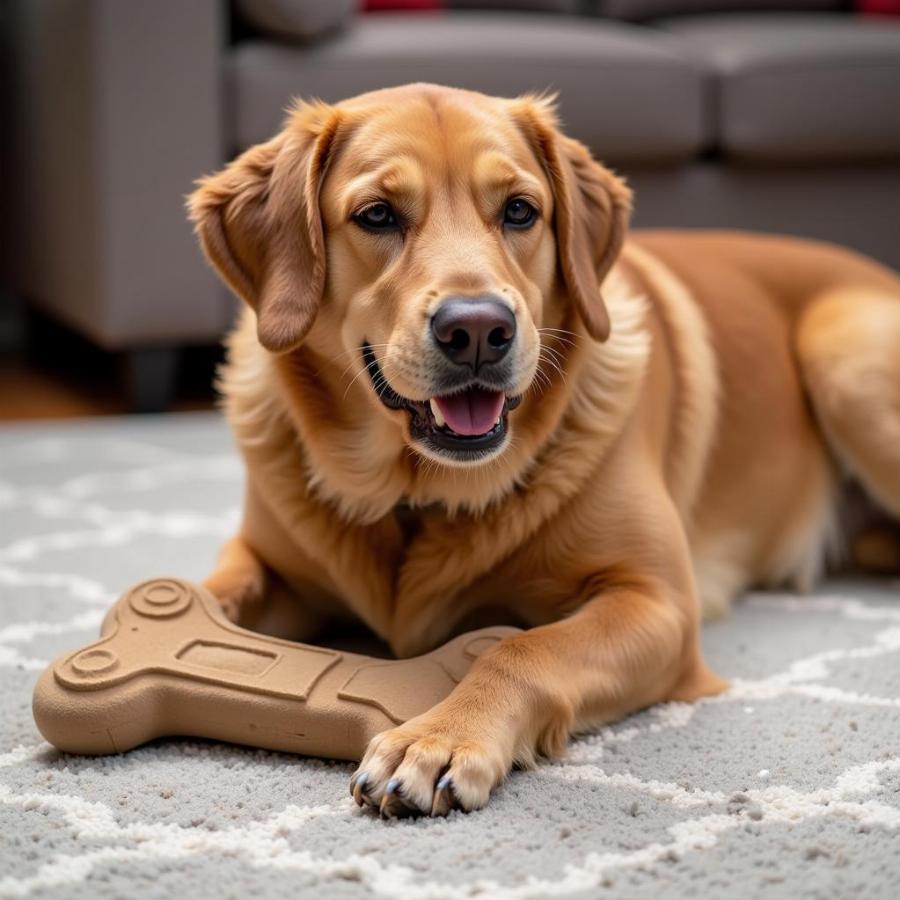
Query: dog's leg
(877, 549)
(253, 596)
(848, 344)
(633, 644)
(238, 582)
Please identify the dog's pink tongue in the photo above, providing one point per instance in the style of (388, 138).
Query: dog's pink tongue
(472, 412)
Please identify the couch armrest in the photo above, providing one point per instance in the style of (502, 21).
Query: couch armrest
(119, 108)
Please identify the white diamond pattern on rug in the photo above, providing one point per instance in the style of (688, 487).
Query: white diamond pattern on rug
(786, 786)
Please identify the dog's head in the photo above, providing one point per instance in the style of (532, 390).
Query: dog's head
(435, 238)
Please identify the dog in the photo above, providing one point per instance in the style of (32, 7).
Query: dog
(465, 394)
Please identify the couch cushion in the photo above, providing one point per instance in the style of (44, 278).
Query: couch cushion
(300, 20)
(642, 10)
(622, 91)
(852, 205)
(800, 87)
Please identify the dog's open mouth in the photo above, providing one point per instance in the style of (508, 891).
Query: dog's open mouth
(466, 423)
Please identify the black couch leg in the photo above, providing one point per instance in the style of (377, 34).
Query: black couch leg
(151, 374)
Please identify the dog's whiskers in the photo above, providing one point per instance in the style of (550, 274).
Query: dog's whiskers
(567, 345)
(362, 371)
(540, 382)
(351, 353)
(547, 330)
(553, 354)
(554, 364)
(568, 338)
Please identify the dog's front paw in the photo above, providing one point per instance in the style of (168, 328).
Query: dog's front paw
(241, 601)
(429, 766)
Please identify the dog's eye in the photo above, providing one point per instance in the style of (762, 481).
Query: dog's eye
(519, 213)
(377, 216)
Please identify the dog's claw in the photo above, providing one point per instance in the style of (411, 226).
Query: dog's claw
(358, 787)
(444, 797)
(392, 804)
(388, 808)
(357, 778)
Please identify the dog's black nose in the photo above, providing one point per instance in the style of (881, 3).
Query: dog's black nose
(474, 331)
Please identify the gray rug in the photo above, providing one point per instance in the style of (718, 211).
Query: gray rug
(788, 786)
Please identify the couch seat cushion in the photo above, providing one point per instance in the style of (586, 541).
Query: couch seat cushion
(799, 88)
(622, 90)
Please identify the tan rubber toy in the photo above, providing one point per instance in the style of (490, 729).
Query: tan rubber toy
(169, 663)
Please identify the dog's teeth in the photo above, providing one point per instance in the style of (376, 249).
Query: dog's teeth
(498, 421)
(438, 418)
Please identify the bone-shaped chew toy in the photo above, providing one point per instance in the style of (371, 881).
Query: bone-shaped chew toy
(169, 663)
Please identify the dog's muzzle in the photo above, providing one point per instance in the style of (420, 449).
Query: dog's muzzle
(463, 425)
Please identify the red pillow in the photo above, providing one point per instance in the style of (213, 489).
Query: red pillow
(395, 5)
(878, 7)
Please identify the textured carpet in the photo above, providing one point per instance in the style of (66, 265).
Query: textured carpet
(788, 786)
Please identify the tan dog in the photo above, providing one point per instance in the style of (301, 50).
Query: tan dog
(444, 421)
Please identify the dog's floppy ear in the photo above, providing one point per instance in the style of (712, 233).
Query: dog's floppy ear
(593, 208)
(259, 223)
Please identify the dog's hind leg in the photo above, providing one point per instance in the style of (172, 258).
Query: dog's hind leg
(848, 346)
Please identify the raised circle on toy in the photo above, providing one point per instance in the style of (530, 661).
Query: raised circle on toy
(161, 598)
(95, 662)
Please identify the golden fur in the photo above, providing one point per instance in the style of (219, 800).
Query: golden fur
(690, 405)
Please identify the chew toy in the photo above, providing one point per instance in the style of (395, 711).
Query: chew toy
(169, 663)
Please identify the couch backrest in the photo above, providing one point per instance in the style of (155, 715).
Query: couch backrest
(561, 6)
(641, 10)
(296, 19)
(305, 20)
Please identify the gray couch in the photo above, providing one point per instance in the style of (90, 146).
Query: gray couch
(765, 114)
